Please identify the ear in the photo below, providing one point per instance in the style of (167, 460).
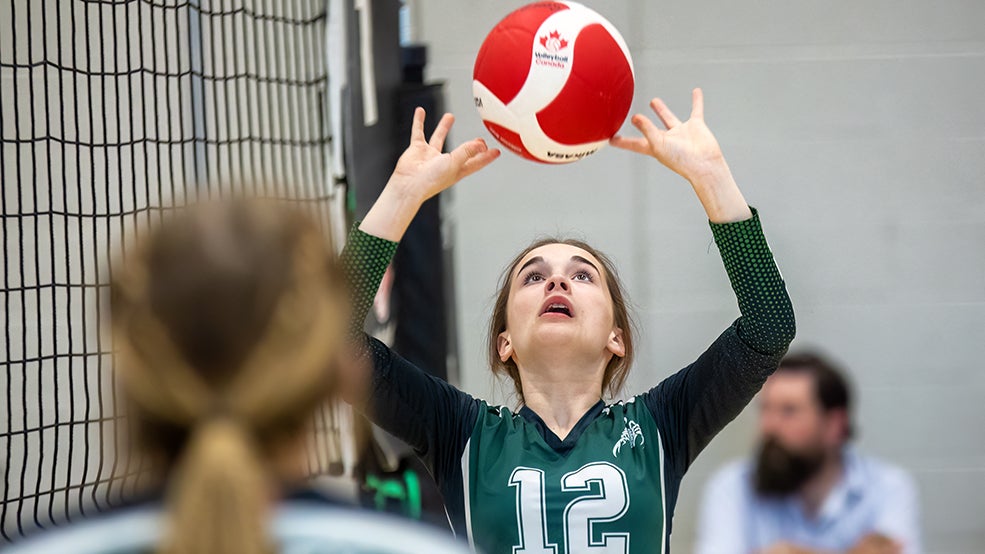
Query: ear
(504, 346)
(836, 427)
(615, 344)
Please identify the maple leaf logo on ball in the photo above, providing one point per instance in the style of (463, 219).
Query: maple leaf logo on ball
(553, 42)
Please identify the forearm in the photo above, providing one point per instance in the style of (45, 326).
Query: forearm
(392, 213)
(767, 319)
(364, 260)
(718, 193)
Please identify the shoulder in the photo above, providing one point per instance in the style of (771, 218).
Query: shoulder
(735, 478)
(624, 407)
(728, 495)
(308, 525)
(500, 417)
(874, 472)
(632, 414)
(317, 528)
(490, 411)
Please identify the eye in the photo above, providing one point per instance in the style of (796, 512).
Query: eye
(582, 276)
(532, 277)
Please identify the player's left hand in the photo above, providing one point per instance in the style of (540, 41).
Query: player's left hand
(688, 148)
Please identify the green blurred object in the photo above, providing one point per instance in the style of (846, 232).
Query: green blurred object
(406, 491)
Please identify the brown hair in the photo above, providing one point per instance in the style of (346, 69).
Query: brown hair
(616, 370)
(831, 388)
(225, 321)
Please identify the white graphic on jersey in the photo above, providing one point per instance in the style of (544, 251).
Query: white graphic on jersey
(629, 436)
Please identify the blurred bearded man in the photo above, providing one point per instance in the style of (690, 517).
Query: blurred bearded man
(808, 490)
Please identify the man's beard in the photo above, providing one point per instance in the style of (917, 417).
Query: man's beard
(780, 471)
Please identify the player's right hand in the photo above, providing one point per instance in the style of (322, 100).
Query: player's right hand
(423, 170)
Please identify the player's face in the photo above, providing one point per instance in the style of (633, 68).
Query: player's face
(790, 412)
(559, 296)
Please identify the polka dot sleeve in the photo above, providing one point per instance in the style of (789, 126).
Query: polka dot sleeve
(767, 323)
(364, 260)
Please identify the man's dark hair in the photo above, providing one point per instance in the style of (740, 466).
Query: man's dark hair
(830, 386)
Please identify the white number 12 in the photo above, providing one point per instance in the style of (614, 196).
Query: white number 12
(608, 504)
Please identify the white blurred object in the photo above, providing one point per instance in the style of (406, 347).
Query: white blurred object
(307, 527)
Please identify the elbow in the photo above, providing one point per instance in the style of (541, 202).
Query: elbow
(789, 331)
(769, 336)
(783, 326)
(790, 328)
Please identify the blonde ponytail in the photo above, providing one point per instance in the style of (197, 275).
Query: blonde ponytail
(234, 401)
(218, 494)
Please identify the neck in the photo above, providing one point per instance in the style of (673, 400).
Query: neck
(562, 390)
(816, 490)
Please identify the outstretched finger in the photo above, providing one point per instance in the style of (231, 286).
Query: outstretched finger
(663, 112)
(441, 132)
(417, 127)
(697, 104)
(649, 129)
(635, 144)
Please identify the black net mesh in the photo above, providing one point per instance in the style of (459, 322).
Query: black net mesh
(113, 113)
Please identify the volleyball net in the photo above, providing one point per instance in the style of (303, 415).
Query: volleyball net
(115, 112)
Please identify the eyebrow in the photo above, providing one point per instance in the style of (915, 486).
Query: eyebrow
(584, 261)
(531, 261)
(539, 259)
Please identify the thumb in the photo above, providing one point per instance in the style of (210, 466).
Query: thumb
(466, 151)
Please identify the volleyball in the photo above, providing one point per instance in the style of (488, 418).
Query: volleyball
(553, 81)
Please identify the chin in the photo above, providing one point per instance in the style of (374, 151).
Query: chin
(555, 334)
(572, 339)
(555, 331)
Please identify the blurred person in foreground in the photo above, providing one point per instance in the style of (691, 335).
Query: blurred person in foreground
(224, 321)
(808, 490)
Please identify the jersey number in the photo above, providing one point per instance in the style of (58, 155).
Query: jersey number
(608, 504)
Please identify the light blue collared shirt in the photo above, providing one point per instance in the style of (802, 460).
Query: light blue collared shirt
(873, 497)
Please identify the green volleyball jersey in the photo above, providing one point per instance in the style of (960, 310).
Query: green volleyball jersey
(604, 495)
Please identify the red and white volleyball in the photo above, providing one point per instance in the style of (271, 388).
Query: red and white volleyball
(553, 81)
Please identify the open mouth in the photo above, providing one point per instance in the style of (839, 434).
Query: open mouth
(557, 306)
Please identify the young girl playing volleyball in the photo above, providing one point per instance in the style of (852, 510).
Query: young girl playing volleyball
(568, 472)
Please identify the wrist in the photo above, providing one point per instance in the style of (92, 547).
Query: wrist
(392, 213)
(719, 194)
(402, 194)
(711, 175)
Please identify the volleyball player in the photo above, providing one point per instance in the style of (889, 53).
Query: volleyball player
(570, 470)
(224, 322)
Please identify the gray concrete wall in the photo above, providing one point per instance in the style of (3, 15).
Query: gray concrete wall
(858, 129)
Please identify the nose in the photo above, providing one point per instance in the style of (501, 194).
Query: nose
(558, 282)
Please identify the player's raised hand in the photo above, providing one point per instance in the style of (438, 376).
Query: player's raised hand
(688, 148)
(423, 170)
